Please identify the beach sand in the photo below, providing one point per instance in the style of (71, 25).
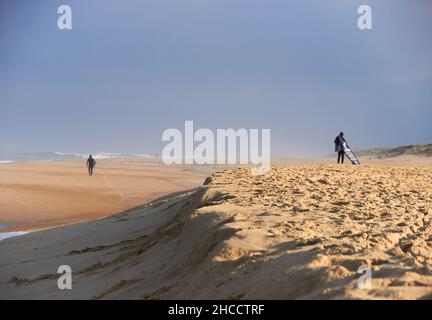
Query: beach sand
(300, 232)
(37, 195)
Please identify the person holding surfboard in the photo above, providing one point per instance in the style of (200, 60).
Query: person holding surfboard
(339, 147)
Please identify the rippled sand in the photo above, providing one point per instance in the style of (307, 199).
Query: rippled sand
(338, 218)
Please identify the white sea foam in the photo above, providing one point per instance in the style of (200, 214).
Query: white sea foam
(53, 156)
(107, 155)
(102, 155)
(70, 154)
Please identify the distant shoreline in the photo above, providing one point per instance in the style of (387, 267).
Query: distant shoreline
(63, 156)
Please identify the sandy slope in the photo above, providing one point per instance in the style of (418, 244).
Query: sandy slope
(299, 232)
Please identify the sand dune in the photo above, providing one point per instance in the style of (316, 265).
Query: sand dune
(410, 150)
(300, 232)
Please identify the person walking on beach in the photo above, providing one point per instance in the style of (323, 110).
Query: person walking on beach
(90, 164)
(339, 141)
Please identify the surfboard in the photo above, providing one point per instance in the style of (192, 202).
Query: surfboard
(350, 155)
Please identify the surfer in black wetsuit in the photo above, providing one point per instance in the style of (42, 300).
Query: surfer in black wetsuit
(339, 141)
(90, 164)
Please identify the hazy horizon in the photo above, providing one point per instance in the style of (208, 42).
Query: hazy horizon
(107, 154)
(129, 70)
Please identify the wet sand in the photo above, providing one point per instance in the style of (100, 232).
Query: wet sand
(44, 194)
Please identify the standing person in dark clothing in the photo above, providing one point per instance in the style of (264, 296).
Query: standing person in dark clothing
(339, 141)
(90, 164)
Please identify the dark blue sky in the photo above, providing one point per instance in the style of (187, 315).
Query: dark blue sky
(130, 69)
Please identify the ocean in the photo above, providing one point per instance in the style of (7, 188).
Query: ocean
(6, 235)
(55, 156)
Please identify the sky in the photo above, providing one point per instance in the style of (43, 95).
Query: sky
(130, 69)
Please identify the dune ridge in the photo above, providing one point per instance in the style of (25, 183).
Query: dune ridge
(421, 150)
(300, 232)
